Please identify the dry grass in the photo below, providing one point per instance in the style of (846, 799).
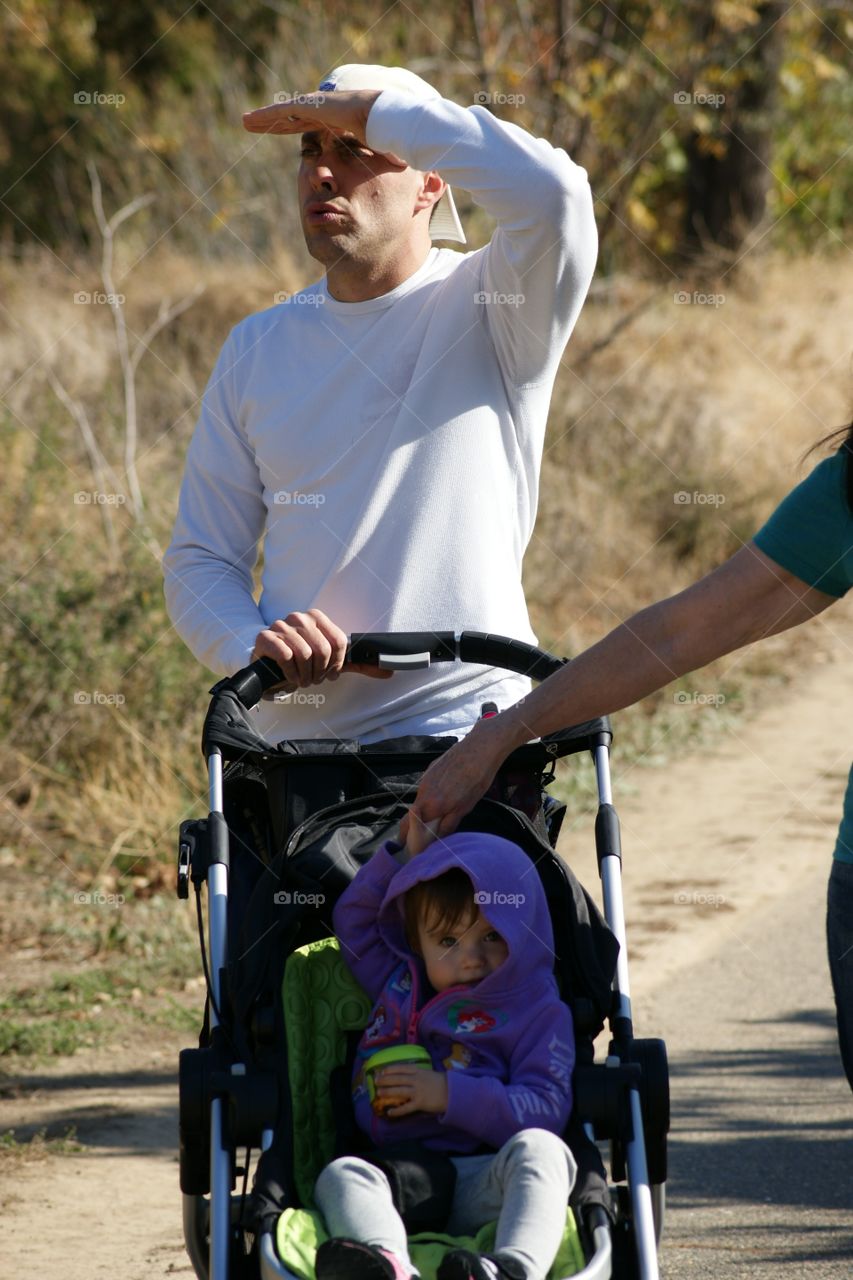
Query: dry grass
(718, 400)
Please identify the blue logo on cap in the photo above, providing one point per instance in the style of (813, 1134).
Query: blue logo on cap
(327, 84)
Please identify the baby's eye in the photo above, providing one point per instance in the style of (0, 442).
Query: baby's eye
(493, 936)
(448, 941)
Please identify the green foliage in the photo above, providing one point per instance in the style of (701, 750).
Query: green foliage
(39, 1145)
(640, 94)
(113, 638)
(45, 1039)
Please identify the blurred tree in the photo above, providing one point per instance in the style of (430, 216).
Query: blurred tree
(730, 153)
(698, 122)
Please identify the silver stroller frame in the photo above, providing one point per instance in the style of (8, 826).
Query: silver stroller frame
(208, 1221)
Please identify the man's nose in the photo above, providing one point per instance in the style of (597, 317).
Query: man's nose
(322, 178)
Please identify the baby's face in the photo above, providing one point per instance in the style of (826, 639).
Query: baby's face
(463, 954)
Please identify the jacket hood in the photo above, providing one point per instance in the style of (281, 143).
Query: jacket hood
(507, 890)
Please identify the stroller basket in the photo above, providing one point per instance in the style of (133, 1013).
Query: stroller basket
(289, 824)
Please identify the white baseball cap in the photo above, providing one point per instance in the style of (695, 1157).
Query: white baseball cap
(444, 221)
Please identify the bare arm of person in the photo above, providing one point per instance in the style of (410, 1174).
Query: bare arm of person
(744, 600)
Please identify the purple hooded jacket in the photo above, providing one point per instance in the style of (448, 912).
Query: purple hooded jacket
(506, 1043)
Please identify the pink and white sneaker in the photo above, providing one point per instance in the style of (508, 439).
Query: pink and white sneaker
(341, 1259)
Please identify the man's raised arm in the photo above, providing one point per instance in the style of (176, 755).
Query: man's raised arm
(535, 272)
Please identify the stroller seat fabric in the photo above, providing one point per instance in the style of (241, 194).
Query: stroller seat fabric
(322, 1003)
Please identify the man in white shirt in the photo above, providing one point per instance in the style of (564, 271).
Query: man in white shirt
(382, 430)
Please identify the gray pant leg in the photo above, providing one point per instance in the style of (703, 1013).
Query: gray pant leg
(526, 1187)
(355, 1200)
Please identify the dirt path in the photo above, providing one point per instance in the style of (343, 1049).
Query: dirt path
(709, 844)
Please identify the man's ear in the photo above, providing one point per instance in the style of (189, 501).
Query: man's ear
(432, 189)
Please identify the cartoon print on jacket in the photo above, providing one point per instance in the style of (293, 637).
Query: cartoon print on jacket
(459, 1058)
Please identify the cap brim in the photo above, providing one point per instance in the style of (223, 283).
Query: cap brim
(444, 223)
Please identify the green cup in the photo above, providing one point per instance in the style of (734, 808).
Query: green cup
(413, 1054)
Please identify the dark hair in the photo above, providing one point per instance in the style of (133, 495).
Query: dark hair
(842, 438)
(441, 903)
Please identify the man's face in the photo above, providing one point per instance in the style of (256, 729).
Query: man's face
(354, 203)
(461, 955)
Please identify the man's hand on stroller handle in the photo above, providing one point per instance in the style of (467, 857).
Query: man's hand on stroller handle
(422, 1090)
(309, 648)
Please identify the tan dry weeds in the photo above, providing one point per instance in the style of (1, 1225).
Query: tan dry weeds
(687, 397)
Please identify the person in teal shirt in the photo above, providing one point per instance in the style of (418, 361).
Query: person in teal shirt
(798, 564)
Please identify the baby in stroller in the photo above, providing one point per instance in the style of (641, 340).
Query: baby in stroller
(455, 948)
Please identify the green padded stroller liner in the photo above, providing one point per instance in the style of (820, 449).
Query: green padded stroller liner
(300, 1233)
(322, 1001)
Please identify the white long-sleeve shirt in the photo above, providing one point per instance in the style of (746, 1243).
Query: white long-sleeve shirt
(388, 451)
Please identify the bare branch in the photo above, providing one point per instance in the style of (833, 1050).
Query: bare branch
(101, 469)
(164, 316)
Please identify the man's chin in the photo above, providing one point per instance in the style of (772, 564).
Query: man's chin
(325, 243)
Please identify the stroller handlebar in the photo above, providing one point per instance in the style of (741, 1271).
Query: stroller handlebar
(411, 650)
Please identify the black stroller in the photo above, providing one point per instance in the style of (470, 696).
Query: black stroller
(265, 1097)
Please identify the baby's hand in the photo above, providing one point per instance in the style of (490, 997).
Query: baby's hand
(412, 1089)
(415, 834)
